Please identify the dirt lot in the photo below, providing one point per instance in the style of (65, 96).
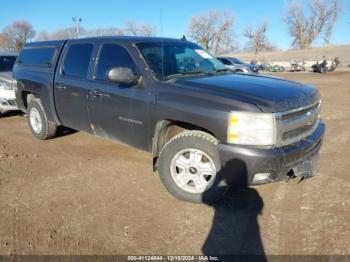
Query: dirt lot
(78, 194)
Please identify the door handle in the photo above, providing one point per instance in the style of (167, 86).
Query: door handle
(98, 93)
(61, 87)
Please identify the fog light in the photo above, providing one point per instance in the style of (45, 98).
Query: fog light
(262, 178)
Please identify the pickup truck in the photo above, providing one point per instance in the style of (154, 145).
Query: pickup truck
(206, 127)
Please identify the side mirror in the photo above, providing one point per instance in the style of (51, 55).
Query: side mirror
(122, 75)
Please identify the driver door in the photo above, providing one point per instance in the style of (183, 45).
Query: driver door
(118, 111)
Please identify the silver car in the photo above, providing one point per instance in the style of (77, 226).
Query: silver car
(238, 66)
(7, 94)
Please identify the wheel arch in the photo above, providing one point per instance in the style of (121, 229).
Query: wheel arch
(26, 97)
(165, 130)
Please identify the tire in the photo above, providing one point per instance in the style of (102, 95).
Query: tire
(40, 126)
(204, 148)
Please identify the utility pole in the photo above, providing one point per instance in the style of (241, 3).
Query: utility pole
(77, 21)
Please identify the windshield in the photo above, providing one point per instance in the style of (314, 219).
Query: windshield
(236, 61)
(177, 59)
(6, 63)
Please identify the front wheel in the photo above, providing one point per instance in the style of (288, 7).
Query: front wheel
(189, 168)
(40, 126)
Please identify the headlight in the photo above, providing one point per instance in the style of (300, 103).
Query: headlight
(5, 85)
(251, 129)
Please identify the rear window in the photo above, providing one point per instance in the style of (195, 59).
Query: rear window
(77, 60)
(39, 56)
(224, 61)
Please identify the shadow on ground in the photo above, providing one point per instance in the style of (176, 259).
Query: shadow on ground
(64, 131)
(11, 114)
(61, 130)
(235, 229)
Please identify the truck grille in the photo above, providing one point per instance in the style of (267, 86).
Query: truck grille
(12, 102)
(295, 125)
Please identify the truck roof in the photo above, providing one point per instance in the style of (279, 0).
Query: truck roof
(128, 39)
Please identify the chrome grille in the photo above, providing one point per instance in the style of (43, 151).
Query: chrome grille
(12, 102)
(295, 125)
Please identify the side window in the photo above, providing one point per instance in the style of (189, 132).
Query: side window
(76, 62)
(225, 61)
(112, 55)
(37, 56)
(187, 60)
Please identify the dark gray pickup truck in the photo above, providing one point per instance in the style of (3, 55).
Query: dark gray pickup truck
(206, 127)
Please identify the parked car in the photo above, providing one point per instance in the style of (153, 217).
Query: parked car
(297, 66)
(323, 66)
(7, 94)
(206, 127)
(276, 68)
(263, 67)
(238, 66)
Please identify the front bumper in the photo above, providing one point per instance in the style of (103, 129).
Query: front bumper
(7, 100)
(241, 164)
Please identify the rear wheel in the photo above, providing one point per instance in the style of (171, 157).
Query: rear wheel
(40, 126)
(189, 167)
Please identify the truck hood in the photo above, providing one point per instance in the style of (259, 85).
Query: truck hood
(6, 76)
(268, 93)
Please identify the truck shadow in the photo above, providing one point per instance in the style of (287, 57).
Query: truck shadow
(235, 233)
(64, 131)
(11, 114)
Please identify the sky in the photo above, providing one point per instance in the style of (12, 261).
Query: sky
(50, 15)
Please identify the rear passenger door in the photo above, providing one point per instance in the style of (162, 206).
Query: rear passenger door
(118, 111)
(72, 85)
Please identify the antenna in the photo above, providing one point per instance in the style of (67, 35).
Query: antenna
(161, 21)
(162, 40)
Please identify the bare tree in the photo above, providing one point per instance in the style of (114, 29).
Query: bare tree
(70, 32)
(105, 32)
(305, 29)
(139, 29)
(335, 7)
(5, 41)
(16, 35)
(213, 30)
(67, 33)
(43, 36)
(257, 38)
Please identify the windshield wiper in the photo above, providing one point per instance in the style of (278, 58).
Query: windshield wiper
(223, 70)
(197, 72)
(193, 72)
